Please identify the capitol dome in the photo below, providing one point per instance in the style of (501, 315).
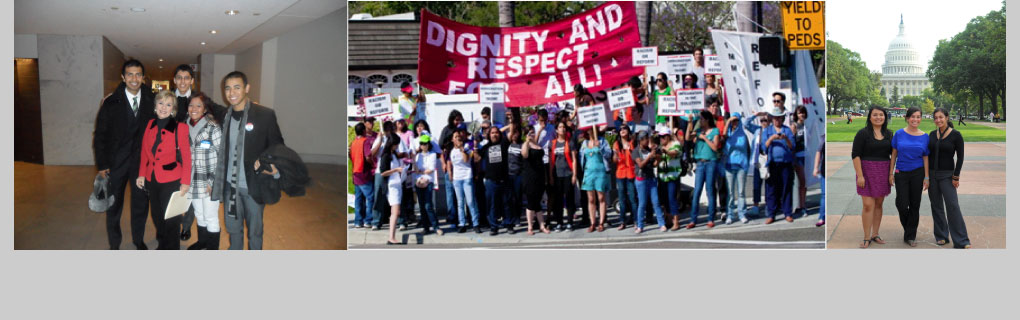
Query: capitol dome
(901, 57)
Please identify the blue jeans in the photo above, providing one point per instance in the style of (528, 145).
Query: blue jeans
(497, 196)
(648, 188)
(735, 179)
(465, 194)
(425, 205)
(821, 206)
(379, 192)
(628, 199)
(704, 178)
(672, 188)
(451, 200)
(757, 184)
(363, 201)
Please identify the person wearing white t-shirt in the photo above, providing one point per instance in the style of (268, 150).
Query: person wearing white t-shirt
(424, 178)
(460, 166)
(393, 171)
(377, 149)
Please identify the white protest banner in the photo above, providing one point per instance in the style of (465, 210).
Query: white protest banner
(805, 88)
(620, 99)
(645, 56)
(749, 83)
(492, 93)
(712, 65)
(683, 63)
(690, 99)
(378, 105)
(667, 106)
(590, 116)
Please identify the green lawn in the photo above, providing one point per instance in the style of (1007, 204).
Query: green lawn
(972, 132)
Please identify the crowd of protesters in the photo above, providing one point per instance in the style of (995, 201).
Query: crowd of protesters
(495, 173)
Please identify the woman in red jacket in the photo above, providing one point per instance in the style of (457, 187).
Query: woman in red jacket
(165, 167)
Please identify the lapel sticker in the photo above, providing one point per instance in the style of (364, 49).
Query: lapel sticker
(249, 127)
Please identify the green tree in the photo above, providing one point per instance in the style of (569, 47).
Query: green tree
(848, 81)
(894, 99)
(928, 107)
(974, 60)
(684, 26)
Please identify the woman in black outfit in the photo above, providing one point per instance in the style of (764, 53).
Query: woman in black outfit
(944, 142)
(533, 179)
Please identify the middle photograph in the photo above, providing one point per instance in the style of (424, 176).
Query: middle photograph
(585, 125)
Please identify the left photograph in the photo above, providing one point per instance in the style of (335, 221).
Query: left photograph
(188, 124)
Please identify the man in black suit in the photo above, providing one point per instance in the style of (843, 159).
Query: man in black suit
(117, 143)
(184, 78)
(248, 130)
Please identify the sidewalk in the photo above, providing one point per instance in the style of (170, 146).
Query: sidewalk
(580, 236)
(982, 196)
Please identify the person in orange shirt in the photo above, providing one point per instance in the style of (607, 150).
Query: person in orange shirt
(625, 188)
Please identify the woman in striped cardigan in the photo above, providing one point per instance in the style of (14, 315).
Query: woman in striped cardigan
(206, 136)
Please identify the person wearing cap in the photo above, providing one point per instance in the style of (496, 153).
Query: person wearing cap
(736, 162)
(423, 176)
(706, 144)
(778, 147)
(412, 107)
(669, 175)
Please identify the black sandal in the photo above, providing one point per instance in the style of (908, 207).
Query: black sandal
(877, 239)
(865, 244)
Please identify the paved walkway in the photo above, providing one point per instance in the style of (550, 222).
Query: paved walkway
(802, 233)
(982, 196)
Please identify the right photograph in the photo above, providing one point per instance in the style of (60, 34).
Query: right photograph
(916, 126)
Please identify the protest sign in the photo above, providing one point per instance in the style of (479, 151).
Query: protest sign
(749, 84)
(712, 65)
(667, 106)
(590, 116)
(567, 105)
(620, 99)
(804, 24)
(539, 64)
(378, 105)
(646, 56)
(805, 88)
(690, 99)
(492, 93)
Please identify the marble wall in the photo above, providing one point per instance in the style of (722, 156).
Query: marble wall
(113, 60)
(310, 79)
(70, 92)
(212, 69)
(250, 62)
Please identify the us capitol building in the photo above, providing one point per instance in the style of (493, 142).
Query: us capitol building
(902, 68)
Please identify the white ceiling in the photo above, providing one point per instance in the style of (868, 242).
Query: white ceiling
(171, 30)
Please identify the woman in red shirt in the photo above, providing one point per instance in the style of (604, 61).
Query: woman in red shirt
(625, 176)
(165, 167)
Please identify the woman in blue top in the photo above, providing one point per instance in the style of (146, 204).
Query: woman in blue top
(909, 172)
(736, 161)
(778, 147)
(706, 141)
(595, 159)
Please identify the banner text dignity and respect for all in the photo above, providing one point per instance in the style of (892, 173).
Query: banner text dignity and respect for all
(539, 64)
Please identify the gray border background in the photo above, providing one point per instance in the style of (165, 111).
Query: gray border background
(865, 284)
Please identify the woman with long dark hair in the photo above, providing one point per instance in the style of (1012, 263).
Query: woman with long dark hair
(206, 137)
(871, 153)
(943, 143)
(646, 157)
(910, 172)
(798, 127)
(534, 181)
(561, 177)
(706, 143)
(391, 168)
(627, 192)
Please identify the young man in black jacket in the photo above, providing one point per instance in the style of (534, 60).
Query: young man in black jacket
(117, 143)
(248, 130)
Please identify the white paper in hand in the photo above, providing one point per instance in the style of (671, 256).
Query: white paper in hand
(178, 205)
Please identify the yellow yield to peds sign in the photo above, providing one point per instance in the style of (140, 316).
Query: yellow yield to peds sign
(804, 24)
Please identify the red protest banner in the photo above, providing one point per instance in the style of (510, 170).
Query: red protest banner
(539, 64)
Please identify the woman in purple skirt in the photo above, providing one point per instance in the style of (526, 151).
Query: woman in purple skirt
(871, 154)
